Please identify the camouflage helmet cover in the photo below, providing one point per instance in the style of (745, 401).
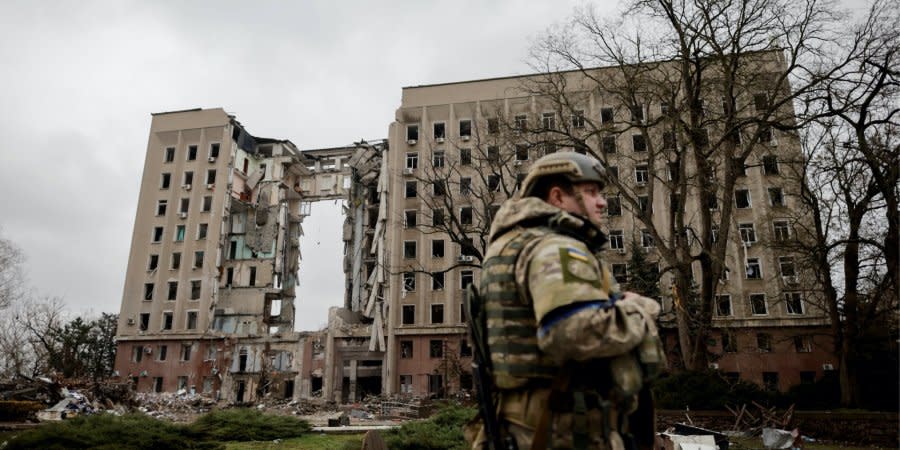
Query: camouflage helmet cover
(575, 167)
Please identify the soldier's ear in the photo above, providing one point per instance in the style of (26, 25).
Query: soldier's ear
(556, 196)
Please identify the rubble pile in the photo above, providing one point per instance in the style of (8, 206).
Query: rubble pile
(180, 406)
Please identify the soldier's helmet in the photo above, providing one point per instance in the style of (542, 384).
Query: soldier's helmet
(575, 167)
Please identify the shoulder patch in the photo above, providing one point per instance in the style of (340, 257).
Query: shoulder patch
(578, 268)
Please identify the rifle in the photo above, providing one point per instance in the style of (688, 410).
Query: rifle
(481, 373)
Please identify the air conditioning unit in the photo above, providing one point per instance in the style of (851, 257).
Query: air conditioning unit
(620, 250)
(465, 137)
(148, 350)
(789, 279)
(183, 215)
(439, 140)
(714, 366)
(210, 186)
(130, 321)
(517, 163)
(827, 366)
(186, 187)
(212, 159)
(143, 373)
(411, 141)
(408, 171)
(466, 258)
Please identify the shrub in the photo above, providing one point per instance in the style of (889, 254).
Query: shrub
(244, 424)
(444, 430)
(707, 390)
(18, 411)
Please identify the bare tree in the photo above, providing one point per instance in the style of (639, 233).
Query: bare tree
(11, 276)
(724, 77)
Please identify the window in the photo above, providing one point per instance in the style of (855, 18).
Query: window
(437, 217)
(173, 290)
(782, 231)
(803, 344)
(170, 154)
(764, 342)
(201, 231)
(148, 291)
(229, 276)
(465, 156)
(410, 218)
(786, 265)
(668, 140)
(606, 116)
(712, 201)
(410, 189)
(165, 181)
(207, 203)
(748, 233)
(214, 150)
(198, 259)
(465, 215)
(153, 263)
(638, 143)
(466, 277)
(162, 353)
(758, 304)
(161, 207)
(412, 160)
(793, 301)
(409, 314)
(179, 233)
(766, 136)
(548, 120)
(176, 260)
(578, 119)
(437, 281)
(641, 174)
(521, 122)
(186, 352)
(760, 102)
(464, 349)
(409, 249)
(465, 128)
(608, 144)
(192, 153)
(776, 196)
(211, 176)
(406, 386)
(723, 305)
(195, 289)
(167, 320)
(191, 320)
(438, 188)
(742, 198)
(412, 133)
(144, 321)
(646, 239)
(493, 125)
(409, 281)
(440, 131)
(637, 113)
(754, 269)
(493, 153)
(465, 185)
(617, 240)
(137, 353)
(612, 172)
(436, 348)
(437, 314)
(521, 152)
(729, 342)
(462, 312)
(406, 348)
(620, 272)
(437, 248)
(437, 159)
(770, 165)
(644, 204)
(493, 183)
(614, 206)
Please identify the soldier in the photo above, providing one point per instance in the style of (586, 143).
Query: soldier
(569, 353)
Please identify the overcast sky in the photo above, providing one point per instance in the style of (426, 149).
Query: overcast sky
(79, 80)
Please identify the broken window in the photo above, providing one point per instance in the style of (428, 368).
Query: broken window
(437, 217)
(803, 344)
(437, 159)
(195, 289)
(438, 188)
(646, 239)
(176, 260)
(617, 240)
(153, 263)
(186, 352)
(758, 304)
(157, 234)
(644, 203)
(638, 143)
(793, 301)
(776, 196)
(192, 152)
(437, 281)
(191, 320)
(437, 248)
(165, 181)
(207, 203)
(766, 136)
(214, 150)
(521, 152)
(406, 348)
(410, 218)
(764, 342)
(465, 215)
(412, 160)
(440, 131)
(548, 120)
(608, 144)
(162, 353)
(144, 321)
(167, 320)
(462, 312)
(436, 348)
(465, 128)
(410, 189)
(641, 174)
(637, 113)
(179, 233)
(754, 269)
(185, 205)
(252, 281)
(198, 259)
(409, 249)
(782, 231)
(466, 277)
(493, 153)
(612, 172)
(409, 315)
(578, 119)
(137, 353)
(786, 264)
(406, 385)
(520, 122)
(614, 206)
(770, 165)
(493, 125)
(465, 185)
(201, 231)
(606, 116)
(740, 169)
(173, 290)
(211, 176)
(493, 182)
(437, 314)
(465, 156)
(148, 291)
(723, 305)
(409, 281)
(412, 133)
(170, 154)
(761, 102)
(229, 276)
(748, 233)
(742, 198)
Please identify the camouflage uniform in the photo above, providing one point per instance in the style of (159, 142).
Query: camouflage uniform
(579, 374)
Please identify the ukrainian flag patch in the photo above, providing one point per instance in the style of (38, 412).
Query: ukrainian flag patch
(574, 253)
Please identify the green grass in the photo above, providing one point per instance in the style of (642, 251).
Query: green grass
(313, 441)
